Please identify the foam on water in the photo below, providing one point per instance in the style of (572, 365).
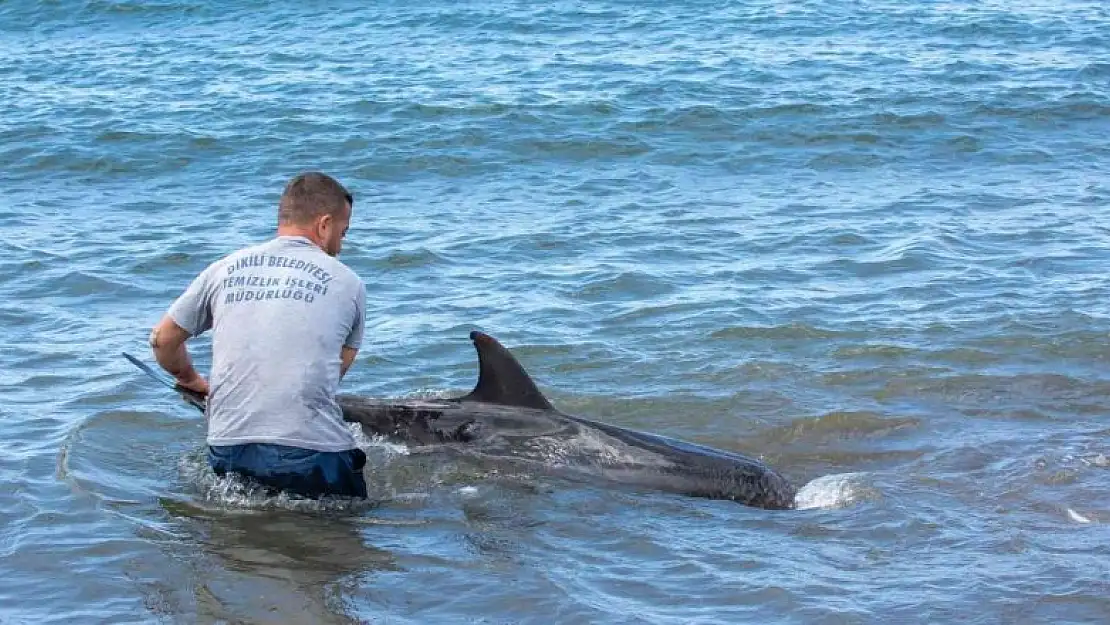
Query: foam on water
(231, 492)
(1098, 460)
(837, 490)
(377, 445)
(1078, 518)
(863, 241)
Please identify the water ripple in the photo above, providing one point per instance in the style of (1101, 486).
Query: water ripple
(865, 242)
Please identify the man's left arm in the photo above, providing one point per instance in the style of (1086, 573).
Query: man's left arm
(348, 359)
(354, 337)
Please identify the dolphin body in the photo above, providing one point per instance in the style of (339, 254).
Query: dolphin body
(506, 417)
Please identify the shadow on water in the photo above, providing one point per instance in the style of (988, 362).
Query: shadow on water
(275, 565)
(212, 549)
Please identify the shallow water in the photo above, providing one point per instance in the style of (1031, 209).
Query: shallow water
(863, 241)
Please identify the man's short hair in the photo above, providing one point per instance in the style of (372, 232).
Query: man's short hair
(310, 195)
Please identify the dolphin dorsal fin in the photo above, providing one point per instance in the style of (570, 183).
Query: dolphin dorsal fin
(501, 379)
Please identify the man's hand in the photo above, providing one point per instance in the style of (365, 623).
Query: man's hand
(167, 339)
(197, 384)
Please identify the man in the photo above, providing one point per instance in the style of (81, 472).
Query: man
(287, 321)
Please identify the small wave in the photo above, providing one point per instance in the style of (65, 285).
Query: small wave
(671, 311)
(783, 332)
(404, 164)
(581, 149)
(1075, 108)
(78, 283)
(141, 9)
(902, 256)
(406, 259)
(1095, 70)
(837, 490)
(844, 424)
(927, 120)
(1001, 390)
(629, 284)
(1078, 518)
(115, 136)
(1098, 460)
(874, 351)
(156, 264)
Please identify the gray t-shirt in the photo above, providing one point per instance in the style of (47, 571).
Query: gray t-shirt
(280, 312)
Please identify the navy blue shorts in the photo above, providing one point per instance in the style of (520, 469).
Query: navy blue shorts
(292, 469)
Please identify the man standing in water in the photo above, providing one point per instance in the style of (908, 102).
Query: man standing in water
(287, 319)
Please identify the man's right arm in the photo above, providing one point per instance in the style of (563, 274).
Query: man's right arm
(189, 315)
(167, 340)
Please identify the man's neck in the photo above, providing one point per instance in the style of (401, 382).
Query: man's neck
(296, 231)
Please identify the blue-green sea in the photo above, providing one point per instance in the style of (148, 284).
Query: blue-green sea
(866, 241)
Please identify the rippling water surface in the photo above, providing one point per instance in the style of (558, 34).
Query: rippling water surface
(865, 241)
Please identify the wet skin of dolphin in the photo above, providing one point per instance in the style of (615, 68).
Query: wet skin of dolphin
(506, 417)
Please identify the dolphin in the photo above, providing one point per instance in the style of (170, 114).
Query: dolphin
(506, 417)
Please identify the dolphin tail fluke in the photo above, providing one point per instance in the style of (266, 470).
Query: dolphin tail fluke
(501, 379)
(193, 398)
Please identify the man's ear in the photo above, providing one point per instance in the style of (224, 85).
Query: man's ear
(323, 223)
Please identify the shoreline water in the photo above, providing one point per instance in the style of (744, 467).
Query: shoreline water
(862, 242)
